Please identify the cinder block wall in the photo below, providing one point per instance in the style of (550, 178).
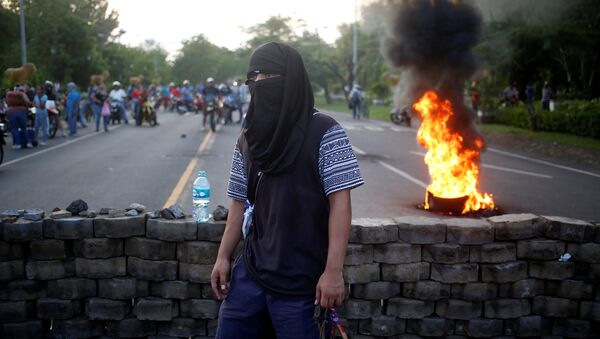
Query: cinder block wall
(407, 277)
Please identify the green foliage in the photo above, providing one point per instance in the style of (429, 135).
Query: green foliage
(575, 117)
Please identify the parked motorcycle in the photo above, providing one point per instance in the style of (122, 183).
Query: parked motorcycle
(401, 116)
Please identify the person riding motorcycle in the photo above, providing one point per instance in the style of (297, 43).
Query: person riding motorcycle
(210, 94)
(187, 94)
(117, 98)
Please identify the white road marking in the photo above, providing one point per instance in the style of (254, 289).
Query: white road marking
(505, 169)
(374, 128)
(402, 129)
(358, 151)
(547, 163)
(55, 147)
(403, 174)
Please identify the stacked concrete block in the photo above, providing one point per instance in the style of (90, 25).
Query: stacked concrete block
(407, 277)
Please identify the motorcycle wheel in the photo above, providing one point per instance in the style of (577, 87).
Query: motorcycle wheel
(395, 119)
(53, 127)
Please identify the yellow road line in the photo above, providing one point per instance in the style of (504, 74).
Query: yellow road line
(174, 197)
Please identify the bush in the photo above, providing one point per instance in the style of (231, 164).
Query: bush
(574, 117)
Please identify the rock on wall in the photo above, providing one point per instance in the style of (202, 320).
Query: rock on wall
(407, 277)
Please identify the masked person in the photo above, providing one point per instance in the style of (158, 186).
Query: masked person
(294, 168)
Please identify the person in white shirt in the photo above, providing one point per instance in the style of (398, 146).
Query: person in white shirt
(117, 95)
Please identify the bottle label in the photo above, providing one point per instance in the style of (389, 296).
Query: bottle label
(201, 193)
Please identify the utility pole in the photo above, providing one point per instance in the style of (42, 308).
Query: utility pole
(354, 45)
(22, 24)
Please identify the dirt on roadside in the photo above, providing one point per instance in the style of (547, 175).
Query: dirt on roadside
(546, 148)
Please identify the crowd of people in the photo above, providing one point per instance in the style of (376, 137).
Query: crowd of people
(35, 114)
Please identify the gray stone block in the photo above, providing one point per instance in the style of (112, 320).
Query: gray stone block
(72, 288)
(540, 249)
(373, 231)
(207, 292)
(106, 309)
(172, 230)
(358, 254)
(516, 226)
(13, 311)
(528, 326)
(405, 272)
(22, 230)
(469, 231)
(458, 309)
(498, 252)
(573, 328)
(197, 252)
(122, 227)
(211, 231)
(430, 326)
(446, 253)
(48, 249)
(150, 249)
(50, 308)
(475, 291)
(376, 290)
(406, 308)
(176, 289)
(359, 309)
(570, 289)
(199, 308)
(505, 272)
(397, 253)
(569, 229)
(22, 290)
(50, 269)
(80, 327)
(100, 268)
(98, 248)
(555, 307)
(25, 330)
(131, 327)
(590, 310)
(156, 309)
(360, 274)
(117, 288)
(382, 325)
(588, 252)
(12, 251)
(421, 230)
(426, 290)
(454, 273)
(526, 288)
(480, 327)
(152, 270)
(507, 308)
(183, 327)
(69, 228)
(197, 273)
(12, 270)
(552, 270)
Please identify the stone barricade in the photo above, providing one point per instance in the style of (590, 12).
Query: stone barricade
(407, 277)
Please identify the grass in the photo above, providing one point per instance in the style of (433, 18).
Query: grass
(561, 138)
(375, 112)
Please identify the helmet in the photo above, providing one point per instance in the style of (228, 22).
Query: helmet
(186, 82)
(116, 84)
(210, 79)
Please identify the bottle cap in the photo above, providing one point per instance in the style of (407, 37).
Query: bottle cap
(201, 173)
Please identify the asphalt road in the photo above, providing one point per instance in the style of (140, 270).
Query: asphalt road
(156, 166)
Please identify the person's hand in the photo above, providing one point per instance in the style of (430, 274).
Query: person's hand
(330, 289)
(218, 277)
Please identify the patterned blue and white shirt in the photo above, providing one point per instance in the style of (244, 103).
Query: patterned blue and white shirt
(338, 167)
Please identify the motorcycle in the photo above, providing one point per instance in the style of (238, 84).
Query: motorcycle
(115, 114)
(400, 116)
(147, 113)
(53, 118)
(211, 110)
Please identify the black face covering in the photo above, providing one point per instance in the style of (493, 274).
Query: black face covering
(279, 111)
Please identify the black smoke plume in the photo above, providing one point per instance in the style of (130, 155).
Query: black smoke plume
(432, 41)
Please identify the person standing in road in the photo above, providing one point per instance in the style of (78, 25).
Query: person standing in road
(294, 168)
(355, 98)
(546, 96)
(98, 99)
(41, 115)
(16, 114)
(73, 112)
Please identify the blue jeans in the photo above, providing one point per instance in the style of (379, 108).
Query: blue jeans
(122, 112)
(249, 312)
(97, 109)
(18, 124)
(356, 111)
(41, 121)
(72, 119)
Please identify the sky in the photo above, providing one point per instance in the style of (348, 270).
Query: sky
(223, 21)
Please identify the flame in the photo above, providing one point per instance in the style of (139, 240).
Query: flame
(453, 167)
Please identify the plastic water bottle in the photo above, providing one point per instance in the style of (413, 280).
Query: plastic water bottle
(201, 197)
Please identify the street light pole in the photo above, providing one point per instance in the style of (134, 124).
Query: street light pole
(22, 24)
(354, 46)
